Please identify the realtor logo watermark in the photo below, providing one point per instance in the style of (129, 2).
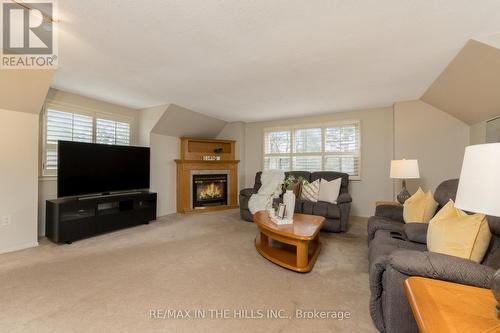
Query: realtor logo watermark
(28, 35)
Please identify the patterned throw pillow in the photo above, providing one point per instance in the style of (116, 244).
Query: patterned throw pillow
(310, 191)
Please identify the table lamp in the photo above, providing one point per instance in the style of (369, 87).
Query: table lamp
(478, 190)
(404, 169)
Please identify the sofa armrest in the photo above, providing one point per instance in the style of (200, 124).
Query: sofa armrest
(344, 198)
(416, 232)
(441, 267)
(390, 212)
(247, 192)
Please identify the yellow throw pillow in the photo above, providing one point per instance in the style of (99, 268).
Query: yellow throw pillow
(455, 233)
(419, 208)
(448, 211)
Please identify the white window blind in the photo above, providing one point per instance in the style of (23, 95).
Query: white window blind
(65, 126)
(82, 127)
(112, 132)
(328, 147)
(342, 148)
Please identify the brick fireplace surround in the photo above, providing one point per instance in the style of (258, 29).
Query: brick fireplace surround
(191, 162)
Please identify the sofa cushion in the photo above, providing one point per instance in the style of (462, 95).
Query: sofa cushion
(384, 244)
(419, 208)
(445, 191)
(331, 175)
(310, 191)
(456, 233)
(376, 223)
(416, 232)
(329, 191)
(320, 208)
(247, 192)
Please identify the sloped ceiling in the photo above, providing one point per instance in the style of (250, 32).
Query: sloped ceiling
(180, 122)
(24, 90)
(469, 88)
(261, 59)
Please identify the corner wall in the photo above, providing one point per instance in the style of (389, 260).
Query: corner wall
(236, 131)
(433, 137)
(478, 133)
(18, 179)
(164, 150)
(160, 128)
(148, 118)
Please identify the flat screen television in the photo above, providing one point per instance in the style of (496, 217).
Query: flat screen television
(89, 168)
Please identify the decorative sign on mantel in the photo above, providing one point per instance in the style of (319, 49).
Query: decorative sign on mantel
(211, 158)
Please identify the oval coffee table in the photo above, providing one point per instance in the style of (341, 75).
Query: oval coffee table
(295, 246)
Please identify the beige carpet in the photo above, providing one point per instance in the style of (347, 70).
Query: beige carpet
(208, 262)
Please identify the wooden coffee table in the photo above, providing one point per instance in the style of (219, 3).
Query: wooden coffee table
(295, 246)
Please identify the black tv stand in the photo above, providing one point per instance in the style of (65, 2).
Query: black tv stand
(71, 219)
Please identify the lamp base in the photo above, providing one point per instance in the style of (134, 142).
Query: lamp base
(404, 194)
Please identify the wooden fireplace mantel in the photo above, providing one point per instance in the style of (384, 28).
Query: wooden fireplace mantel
(192, 152)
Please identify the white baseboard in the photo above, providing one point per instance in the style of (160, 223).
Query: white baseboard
(18, 247)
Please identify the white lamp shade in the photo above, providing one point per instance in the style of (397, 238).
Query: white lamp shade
(404, 169)
(479, 185)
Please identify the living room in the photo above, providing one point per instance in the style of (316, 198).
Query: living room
(263, 166)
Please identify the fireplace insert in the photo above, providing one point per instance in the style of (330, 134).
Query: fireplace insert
(209, 190)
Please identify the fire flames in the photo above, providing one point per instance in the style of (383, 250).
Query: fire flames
(210, 191)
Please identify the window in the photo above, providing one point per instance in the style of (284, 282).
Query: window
(328, 147)
(112, 132)
(61, 123)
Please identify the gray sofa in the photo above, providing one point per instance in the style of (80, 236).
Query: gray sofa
(398, 251)
(337, 215)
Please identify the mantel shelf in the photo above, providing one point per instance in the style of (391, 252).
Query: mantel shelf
(208, 162)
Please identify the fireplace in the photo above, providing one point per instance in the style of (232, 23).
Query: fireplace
(209, 190)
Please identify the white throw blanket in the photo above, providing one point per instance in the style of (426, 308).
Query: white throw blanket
(271, 180)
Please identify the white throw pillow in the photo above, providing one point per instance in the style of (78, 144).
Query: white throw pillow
(310, 191)
(329, 191)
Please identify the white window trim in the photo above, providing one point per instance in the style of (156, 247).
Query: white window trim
(323, 126)
(67, 107)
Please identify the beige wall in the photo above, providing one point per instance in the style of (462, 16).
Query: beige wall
(436, 139)
(493, 130)
(148, 118)
(377, 151)
(24, 90)
(236, 131)
(478, 133)
(48, 185)
(18, 179)
(164, 150)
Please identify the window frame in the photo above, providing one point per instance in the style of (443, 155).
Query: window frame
(322, 153)
(70, 108)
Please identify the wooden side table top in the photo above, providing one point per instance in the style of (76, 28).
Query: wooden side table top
(440, 306)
